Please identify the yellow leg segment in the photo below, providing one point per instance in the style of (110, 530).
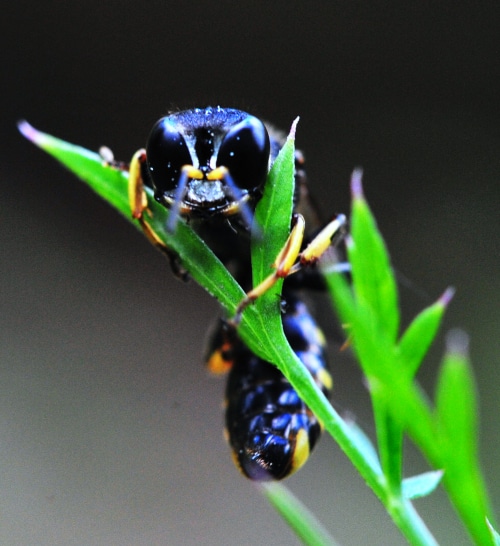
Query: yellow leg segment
(327, 236)
(138, 202)
(136, 195)
(290, 259)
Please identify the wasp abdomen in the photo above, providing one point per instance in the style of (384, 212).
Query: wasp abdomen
(270, 429)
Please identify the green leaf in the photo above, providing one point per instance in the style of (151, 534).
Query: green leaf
(419, 335)
(373, 351)
(273, 213)
(421, 485)
(456, 423)
(273, 216)
(368, 308)
(456, 406)
(108, 183)
(372, 276)
(372, 317)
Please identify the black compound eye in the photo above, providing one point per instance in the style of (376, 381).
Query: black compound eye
(245, 152)
(167, 153)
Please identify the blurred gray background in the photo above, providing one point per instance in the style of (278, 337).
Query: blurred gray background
(110, 428)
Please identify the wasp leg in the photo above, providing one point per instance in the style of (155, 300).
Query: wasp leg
(137, 197)
(331, 234)
(290, 259)
(138, 202)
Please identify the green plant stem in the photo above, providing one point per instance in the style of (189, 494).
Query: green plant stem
(390, 442)
(305, 525)
(401, 510)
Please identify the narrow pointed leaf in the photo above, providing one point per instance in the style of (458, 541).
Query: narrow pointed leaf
(456, 406)
(456, 422)
(421, 485)
(372, 275)
(273, 213)
(396, 393)
(271, 228)
(273, 216)
(108, 183)
(417, 338)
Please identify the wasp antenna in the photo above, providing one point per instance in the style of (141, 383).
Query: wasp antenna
(178, 196)
(244, 209)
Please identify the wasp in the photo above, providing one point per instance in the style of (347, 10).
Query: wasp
(209, 166)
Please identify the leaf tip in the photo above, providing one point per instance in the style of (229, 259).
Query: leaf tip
(457, 342)
(447, 296)
(27, 130)
(293, 129)
(356, 183)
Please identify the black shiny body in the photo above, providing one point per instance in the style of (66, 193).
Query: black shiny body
(228, 154)
(265, 418)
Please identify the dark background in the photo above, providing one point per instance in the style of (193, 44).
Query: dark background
(110, 428)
